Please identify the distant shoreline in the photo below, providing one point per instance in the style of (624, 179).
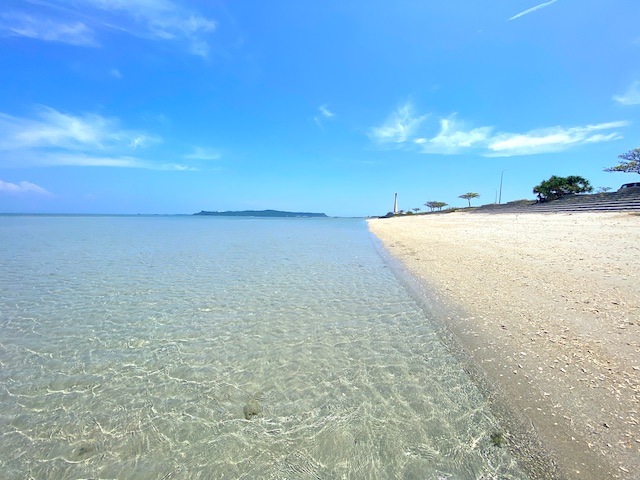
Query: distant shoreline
(262, 213)
(203, 213)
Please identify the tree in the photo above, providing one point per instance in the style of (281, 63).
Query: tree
(556, 187)
(629, 162)
(415, 209)
(468, 196)
(433, 205)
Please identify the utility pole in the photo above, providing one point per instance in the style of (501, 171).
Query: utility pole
(500, 197)
(495, 200)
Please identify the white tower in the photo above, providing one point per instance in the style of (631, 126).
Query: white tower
(395, 204)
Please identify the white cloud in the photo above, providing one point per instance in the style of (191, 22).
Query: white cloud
(51, 128)
(453, 137)
(631, 96)
(549, 140)
(22, 187)
(200, 153)
(325, 111)
(177, 166)
(399, 127)
(533, 9)
(160, 20)
(22, 25)
(141, 140)
(88, 160)
(53, 138)
(79, 159)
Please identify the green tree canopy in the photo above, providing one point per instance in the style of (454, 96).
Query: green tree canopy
(555, 187)
(629, 162)
(468, 196)
(433, 205)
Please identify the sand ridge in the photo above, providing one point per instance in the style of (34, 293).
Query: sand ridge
(552, 316)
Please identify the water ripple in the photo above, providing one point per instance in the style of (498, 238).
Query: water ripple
(160, 347)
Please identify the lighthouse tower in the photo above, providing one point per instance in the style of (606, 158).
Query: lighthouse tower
(395, 204)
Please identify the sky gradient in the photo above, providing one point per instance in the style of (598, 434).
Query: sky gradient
(168, 106)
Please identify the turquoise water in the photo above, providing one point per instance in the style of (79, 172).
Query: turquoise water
(199, 347)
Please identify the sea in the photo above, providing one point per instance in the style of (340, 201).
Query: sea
(195, 347)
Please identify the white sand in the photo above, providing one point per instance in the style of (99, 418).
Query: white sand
(552, 316)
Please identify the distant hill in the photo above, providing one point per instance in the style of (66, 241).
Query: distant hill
(261, 213)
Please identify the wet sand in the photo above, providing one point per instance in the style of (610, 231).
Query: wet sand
(549, 310)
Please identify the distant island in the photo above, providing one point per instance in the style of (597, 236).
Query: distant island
(261, 213)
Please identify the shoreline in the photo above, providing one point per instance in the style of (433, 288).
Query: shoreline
(545, 306)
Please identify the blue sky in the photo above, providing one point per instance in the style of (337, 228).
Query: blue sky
(171, 106)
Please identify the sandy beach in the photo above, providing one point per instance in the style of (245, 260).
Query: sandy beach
(548, 307)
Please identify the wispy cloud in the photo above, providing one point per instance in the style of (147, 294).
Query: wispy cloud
(453, 138)
(324, 110)
(399, 127)
(22, 187)
(405, 129)
(631, 96)
(53, 129)
(554, 139)
(161, 20)
(80, 159)
(200, 153)
(22, 25)
(53, 138)
(325, 113)
(533, 9)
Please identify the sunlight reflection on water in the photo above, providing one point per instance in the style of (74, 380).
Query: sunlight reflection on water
(137, 347)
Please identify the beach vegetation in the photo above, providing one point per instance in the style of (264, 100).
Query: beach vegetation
(468, 196)
(556, 187)
(629, 162)
(416, 209)
(433, 205)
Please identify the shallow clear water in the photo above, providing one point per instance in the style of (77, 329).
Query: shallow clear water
(135, 347)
